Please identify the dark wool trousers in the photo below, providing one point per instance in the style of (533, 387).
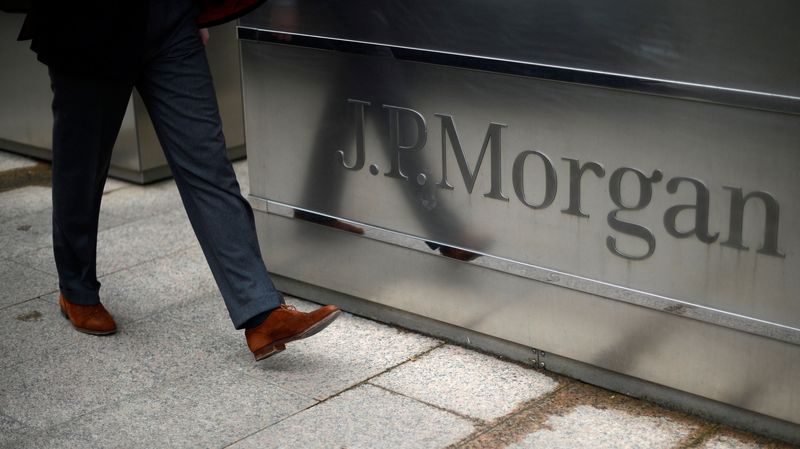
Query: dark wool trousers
(175, 83)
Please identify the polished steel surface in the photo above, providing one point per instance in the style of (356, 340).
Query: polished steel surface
(735, 44)
(626, 173)
(681, 200)
(671, 398)
(26, 121)
(633, 83)
(572, 282)
(25, 97)
(737, 368)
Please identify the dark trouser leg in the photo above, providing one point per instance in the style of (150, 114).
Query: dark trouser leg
(177, 89)
(87, 116)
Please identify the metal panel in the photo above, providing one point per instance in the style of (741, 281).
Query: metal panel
(741, 44)
(741, 369)
(669, 397)
(605, 219)
(640, 145)
(24, 89)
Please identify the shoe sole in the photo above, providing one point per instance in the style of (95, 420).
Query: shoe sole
(269, 351)
(84, 330)
(280, 345)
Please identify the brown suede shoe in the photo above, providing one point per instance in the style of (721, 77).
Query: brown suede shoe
(287, 324)
(93, 320)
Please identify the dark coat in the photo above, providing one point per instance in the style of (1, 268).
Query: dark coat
(216, 12)
(101, 38)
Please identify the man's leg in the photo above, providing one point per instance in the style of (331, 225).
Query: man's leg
(176, 87)
(87, 116)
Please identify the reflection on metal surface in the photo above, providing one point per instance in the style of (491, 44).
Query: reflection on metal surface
(571, 281)
(613, 221)
(573, 178)
(716, 362)
(737, 44)
(755, 99)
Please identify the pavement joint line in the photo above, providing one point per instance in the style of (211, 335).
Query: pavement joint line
(170, 307)
(352, 387)
(108, 405)
(148, 260)
(122, 188)
(413, 357)
(110, 272)
(24, 265)
(563, 383)
(53, 427)
(476, 421)
(41, 297)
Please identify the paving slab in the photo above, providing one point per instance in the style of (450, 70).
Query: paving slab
(364, 417)
(11, 161)
(41, 259)
(155, 285)
(26, 233)
(467, 382)
(535, 416)
(115, 184)
(208, 312)
(34, 231)
(21, 283)
(11, 431)
(94, 372)
(23, 201)
(725, 442)
(727, 438)
(68, 382)
(136, 201)
(209, 411)
(125, 246)
(243, 176)
(352, 350)
(30, 330)
(593, 428)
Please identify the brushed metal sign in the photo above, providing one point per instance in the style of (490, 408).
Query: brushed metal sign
(686, 200)
(699, 210)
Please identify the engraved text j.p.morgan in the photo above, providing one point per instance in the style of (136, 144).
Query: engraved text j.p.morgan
(577, 169)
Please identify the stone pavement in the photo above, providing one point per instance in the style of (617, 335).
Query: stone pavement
(178, 375)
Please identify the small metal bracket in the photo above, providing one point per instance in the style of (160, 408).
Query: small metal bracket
(537, 360)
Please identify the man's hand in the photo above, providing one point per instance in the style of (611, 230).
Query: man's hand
(204, 35)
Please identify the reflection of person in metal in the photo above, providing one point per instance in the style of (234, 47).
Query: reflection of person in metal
(324, 185)
(97, 52)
